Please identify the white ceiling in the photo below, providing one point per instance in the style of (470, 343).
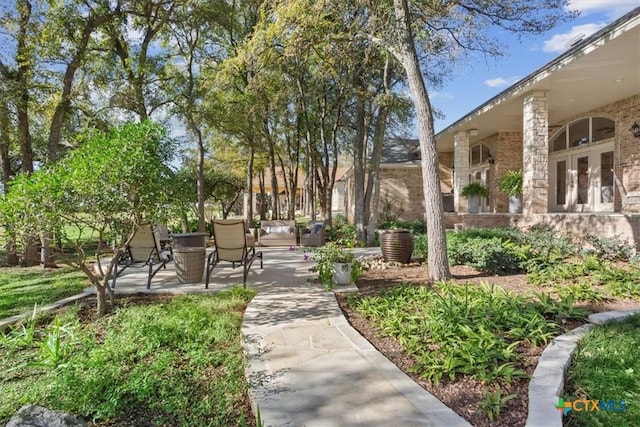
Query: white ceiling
(598, 71)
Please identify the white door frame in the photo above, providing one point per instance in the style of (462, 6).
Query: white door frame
(584, 189)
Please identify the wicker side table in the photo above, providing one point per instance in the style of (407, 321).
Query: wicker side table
(189, 264)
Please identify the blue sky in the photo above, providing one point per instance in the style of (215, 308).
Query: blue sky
(478, 80)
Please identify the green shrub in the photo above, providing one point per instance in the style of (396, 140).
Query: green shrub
(611, 248)
(486, 254)
(548, 244)
(420, 246)
(342, 233)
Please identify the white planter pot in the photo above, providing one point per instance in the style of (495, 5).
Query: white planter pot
(515, 204)
(341, 273)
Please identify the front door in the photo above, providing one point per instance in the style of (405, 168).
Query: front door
(582, 182)
(580, 190)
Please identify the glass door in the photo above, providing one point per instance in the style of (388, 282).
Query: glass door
(481, 175)
(603, 181)
(559, 188)
(581, 183)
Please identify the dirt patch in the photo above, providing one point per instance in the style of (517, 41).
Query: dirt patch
(462, 395)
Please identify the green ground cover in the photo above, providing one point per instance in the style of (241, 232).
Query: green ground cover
(606, 367)
(178, 361)
(22, 288)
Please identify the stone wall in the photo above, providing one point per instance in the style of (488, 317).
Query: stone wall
(576, 225)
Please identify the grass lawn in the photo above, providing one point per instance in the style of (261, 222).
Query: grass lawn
(606, 367)
(158, 360)
(21, 288)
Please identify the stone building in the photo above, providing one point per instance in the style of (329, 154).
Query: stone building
(572, 128)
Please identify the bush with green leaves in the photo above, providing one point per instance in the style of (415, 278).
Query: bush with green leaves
(611, 248)
(420, 246)
(547, 246)
(328, 255)
(486, 251)
(342, 233)
(452, 329)
(105, 186)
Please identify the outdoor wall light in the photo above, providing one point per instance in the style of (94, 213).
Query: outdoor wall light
(635, 130)
(490, 159)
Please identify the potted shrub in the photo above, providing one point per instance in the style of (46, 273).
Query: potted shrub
(511, 184)
(335, 265)
(473, 191)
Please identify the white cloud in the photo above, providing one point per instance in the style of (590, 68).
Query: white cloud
(613, 8)
(561, 42)
(441, 95)
(501, 81)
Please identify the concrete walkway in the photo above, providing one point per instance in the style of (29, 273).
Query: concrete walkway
(306, 365)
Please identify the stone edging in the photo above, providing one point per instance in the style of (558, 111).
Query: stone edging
(547, 383)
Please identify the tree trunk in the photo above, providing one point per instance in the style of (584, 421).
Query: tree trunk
(47, 255)
(436, 236)
(249, 213)
(199, 176)
(358, 170)
(7, 174)
(101, 301)
(372, 194)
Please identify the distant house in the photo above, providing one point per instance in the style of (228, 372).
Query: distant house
(572, 127)
(282, 191)
(401, 180)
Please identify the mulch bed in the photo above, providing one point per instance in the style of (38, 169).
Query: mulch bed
(462, 395)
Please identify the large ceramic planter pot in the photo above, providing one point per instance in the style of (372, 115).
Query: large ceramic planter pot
(396, 245)
(515, 204)
(341, 273)
(474, 204)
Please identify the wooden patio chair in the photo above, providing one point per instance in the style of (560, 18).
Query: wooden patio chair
(232, 244)
(143, 250)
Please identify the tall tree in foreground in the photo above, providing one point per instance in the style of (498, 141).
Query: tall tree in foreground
(422, 33)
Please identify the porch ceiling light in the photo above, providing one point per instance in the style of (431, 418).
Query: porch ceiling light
(635, 130)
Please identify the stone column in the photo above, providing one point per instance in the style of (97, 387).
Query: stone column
(535, 153)
(460, 169)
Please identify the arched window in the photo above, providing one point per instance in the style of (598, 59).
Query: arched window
(479, 153)
(581, 132)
